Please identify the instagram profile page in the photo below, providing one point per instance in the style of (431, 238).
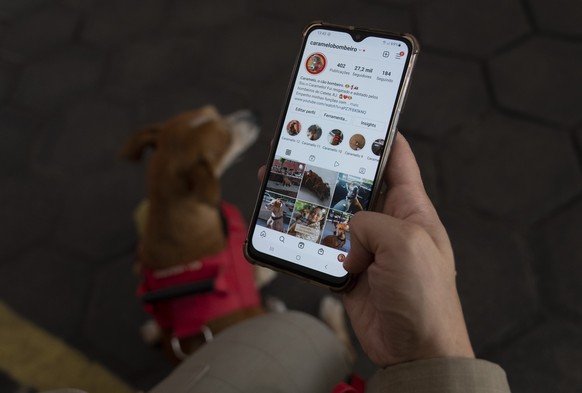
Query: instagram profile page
(330, 147)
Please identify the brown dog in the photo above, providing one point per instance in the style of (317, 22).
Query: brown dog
(312, 181)
(353, 204)
(187, 233)
(275, 221)
(338, 239)
(191, 152)
(286, 181)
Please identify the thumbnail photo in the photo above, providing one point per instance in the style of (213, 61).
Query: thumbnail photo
(307, 221)
(351, 194)
(336, 232)
(285, 177)
(275, 211)
(317, 185)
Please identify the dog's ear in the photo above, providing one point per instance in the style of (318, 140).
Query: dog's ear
(142, 139)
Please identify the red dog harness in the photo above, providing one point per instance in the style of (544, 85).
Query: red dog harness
(234, 285)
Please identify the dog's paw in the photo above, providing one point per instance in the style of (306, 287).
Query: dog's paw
(151, 332)
(275, 305)
(332, 312)
(263, 276)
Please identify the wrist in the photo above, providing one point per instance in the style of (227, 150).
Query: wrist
(453, 343)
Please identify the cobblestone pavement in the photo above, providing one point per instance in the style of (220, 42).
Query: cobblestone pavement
(494, 116)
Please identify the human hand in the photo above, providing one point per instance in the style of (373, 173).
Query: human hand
(404, 305)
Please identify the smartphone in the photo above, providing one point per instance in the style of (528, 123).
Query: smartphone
(346, 93)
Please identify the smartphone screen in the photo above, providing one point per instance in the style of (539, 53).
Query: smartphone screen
(340, 116)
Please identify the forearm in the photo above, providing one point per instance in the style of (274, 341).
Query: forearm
(444, 375)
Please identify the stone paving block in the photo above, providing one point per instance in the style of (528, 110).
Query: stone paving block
(30, 207)
(545, 360)
(559, 255)
(81, 5)
(114, 22)
(477, 28)
(39, 33)
(511, 169)
(268, 100)
(86, 137)
(154, 64)
(47, 83)
(494, 277)
(399, 2)
(98, 220)
(14, 8)
(159, 106)
(112, 325)
(379, 16)
(196, 16)
(252, 53)
(558, 16)
(445, 93)
(19, 130)
(301, 13)
(540, 78)
(47, 287)
(7, 76)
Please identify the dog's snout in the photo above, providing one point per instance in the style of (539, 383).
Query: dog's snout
(249, 116)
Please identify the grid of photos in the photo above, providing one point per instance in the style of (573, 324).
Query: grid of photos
(312, 203)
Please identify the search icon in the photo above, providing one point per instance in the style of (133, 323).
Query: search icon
(282, 239)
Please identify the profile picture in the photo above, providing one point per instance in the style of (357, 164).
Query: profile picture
(357, 142)
(293, 127)
(335, 137)
(378, 146)
(314, 132)
(315, 63)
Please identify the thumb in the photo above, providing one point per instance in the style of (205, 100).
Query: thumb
(406, 198)
(369, 231)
